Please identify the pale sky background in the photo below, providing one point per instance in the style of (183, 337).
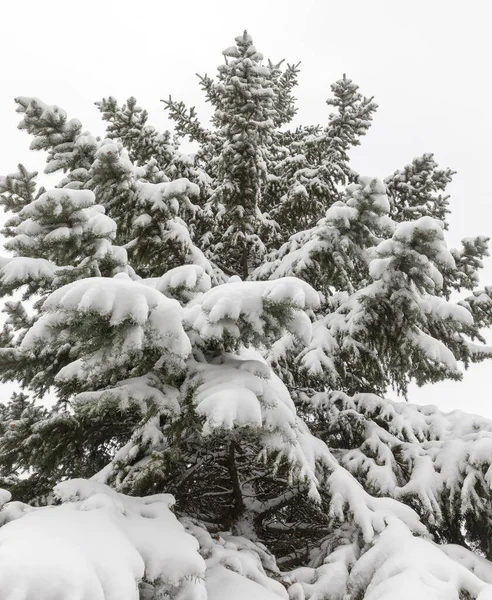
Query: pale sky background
(427, 63)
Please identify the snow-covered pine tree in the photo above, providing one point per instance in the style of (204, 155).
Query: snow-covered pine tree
(258, 403)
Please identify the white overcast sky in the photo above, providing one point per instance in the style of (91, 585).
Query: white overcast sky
(427, 62)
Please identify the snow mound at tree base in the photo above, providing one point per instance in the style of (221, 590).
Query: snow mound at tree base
(102, 545)
(96, 546)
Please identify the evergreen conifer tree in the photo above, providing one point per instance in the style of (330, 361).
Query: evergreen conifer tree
(219, 331)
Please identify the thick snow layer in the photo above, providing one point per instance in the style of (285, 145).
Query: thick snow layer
(96, 546)
(23, 270)
(138, 317)
(57, 554)
(5, 496)
(119, 299)
(165, 196)
(57, 200)
(253, 302)
(402, 566)
(224, 584)
(167, 551)
(445, 309)
(189, 280)
(236, 298)
(242, 390)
